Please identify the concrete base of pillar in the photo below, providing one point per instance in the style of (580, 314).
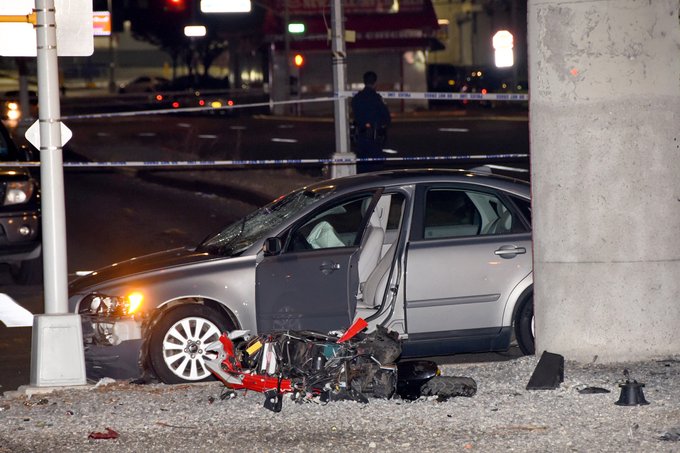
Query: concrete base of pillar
(57, 357)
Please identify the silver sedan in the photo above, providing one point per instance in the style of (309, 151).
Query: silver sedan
(442, 257)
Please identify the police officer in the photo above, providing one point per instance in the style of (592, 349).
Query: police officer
(371, 119)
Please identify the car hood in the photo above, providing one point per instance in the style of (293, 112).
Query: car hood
(140, 265)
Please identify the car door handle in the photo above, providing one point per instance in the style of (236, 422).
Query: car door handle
(509, 251)
(328, 266)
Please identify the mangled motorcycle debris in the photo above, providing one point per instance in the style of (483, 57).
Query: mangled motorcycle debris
(311, 365)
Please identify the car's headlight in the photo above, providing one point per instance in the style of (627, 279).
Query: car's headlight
(13, 111)
(18, 192)
(110, 306)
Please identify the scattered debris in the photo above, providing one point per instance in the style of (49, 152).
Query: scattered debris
(108, 434)
(40, 402)
(672, 435)
(593, 390)
(104, 381)
(631, 392)
(548, 374)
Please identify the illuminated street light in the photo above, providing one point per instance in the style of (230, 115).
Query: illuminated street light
(225, 6)
(195, 31)
(503, 44)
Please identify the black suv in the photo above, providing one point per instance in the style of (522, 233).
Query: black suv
(20, 238)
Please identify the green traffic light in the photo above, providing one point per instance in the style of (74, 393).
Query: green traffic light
(296, 28)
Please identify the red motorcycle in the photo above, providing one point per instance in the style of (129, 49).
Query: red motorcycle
(311, 365)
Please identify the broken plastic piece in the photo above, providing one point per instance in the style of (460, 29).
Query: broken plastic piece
(108, 434)
(549, 372)
(273, 400)
(592, 390)
(631, 394)
(359, 325)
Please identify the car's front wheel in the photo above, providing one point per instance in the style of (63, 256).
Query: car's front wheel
(183, 340)
(524, 327)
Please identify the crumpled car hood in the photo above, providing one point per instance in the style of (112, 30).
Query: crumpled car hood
(155, 261)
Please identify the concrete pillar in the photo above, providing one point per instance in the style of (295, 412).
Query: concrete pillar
(605, 167)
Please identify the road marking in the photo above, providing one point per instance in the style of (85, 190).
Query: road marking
(284, 140)
(12, 314)
(207, 136)
(146, 134)
(453, 129)
(238, 128)
(103, 134)
(390, 151)
(183, 125)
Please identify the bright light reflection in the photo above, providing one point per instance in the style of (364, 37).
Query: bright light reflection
(135, 300)
(195, 31)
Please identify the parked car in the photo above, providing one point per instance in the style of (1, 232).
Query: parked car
(443, 257)
(11, 105)
(143, 84)
(20, 239)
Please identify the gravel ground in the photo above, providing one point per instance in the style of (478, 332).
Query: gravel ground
(502, 416)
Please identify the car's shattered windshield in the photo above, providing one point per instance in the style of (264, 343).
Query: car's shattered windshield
(243, 233)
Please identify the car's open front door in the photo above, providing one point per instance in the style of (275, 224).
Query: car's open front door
(311, 284)
(305, 290)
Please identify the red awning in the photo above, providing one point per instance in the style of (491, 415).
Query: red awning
(410, 29)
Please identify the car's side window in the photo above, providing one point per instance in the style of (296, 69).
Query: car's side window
(524, 206)
(456, 213)
(337, 226)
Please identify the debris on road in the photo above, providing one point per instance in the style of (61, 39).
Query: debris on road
(108, 434)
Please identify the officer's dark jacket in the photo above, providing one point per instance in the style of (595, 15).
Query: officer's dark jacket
(368, 108)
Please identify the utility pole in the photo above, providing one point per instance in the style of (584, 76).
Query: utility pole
(342, 149)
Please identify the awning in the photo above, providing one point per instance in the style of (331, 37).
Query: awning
(410, 28)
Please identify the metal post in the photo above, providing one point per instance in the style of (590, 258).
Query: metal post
(24, 100)
(112, 55)
(342, 149)
(286, 53)
(57, 356)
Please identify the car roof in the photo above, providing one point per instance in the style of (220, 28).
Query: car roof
(480, 177)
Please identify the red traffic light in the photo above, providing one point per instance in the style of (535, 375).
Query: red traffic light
(298, 60)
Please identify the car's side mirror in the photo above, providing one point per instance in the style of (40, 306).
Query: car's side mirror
(272, 246)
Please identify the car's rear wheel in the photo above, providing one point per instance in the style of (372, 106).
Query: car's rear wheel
(524, 327)
(183, 340)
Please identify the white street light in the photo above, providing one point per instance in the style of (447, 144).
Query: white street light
(195, 31)
(225, 6)
(503, 43)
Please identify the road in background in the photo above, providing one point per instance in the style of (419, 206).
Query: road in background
(168, 137)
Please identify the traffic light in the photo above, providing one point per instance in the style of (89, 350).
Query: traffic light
(298, 60)
(175, 5)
